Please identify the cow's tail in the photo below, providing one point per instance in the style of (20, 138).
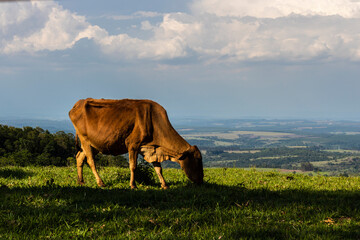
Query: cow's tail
(77, 144)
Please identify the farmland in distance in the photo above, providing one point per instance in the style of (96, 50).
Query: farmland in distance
(327, 147)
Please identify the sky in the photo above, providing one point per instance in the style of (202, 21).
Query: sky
(198, 58)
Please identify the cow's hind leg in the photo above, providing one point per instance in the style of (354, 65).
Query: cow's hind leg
(132, 166)
(158, 170)
(80, 157)
(90, 160)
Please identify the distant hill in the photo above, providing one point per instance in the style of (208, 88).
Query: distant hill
(51, 125)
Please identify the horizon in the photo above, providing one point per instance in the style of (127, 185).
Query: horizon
(198, 118)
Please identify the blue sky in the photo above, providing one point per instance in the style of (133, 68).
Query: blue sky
(204, 58)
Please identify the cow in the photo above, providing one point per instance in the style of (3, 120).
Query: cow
(131, 126)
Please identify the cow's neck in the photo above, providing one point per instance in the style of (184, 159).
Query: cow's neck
(175, 143)
(166, 136)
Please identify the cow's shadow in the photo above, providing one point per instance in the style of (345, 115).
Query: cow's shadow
(208, 195)
(15, 173)
(82, 203)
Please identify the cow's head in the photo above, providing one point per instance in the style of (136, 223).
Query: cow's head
(191, 162)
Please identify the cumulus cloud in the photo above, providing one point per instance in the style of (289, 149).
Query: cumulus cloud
(59, 29)
(211, 37)
(279, 30)
(277, 8)
(214, 31)
(293, 38)
(37, 26)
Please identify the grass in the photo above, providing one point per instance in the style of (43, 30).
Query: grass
(46, 203)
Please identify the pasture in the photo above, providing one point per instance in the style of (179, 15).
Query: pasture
(46, 203)
(233, 135)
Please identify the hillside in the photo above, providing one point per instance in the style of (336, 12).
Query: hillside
(45, 202)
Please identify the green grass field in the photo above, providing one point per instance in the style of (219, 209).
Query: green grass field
(46, 203)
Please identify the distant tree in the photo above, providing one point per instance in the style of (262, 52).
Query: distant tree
(307, 166)
(109, 160)
(34, 146)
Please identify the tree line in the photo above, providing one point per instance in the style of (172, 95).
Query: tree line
(29, 146)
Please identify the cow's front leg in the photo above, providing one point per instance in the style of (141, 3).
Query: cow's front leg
(90, 160)
(80, 157)
(158, 170)
(132, 165)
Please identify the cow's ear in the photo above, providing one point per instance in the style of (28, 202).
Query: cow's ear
(183, 155)
(188, 152)
(197, 153)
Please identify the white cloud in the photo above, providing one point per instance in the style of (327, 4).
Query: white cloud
(60, 29)
(210, 37)
(277, 8)
(146, 25)
(293, 38)
(52, 28)
(215, 31)
(169, 41)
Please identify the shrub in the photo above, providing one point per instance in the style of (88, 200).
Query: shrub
(21, 158)
(111, 161)
(144, 173)
(71, 161)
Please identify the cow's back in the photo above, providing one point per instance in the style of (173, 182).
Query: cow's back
(108, 123)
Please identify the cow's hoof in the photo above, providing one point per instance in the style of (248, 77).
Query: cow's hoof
(101, 184)
(81, 182)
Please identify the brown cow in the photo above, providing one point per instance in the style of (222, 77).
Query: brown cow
(135, 127)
